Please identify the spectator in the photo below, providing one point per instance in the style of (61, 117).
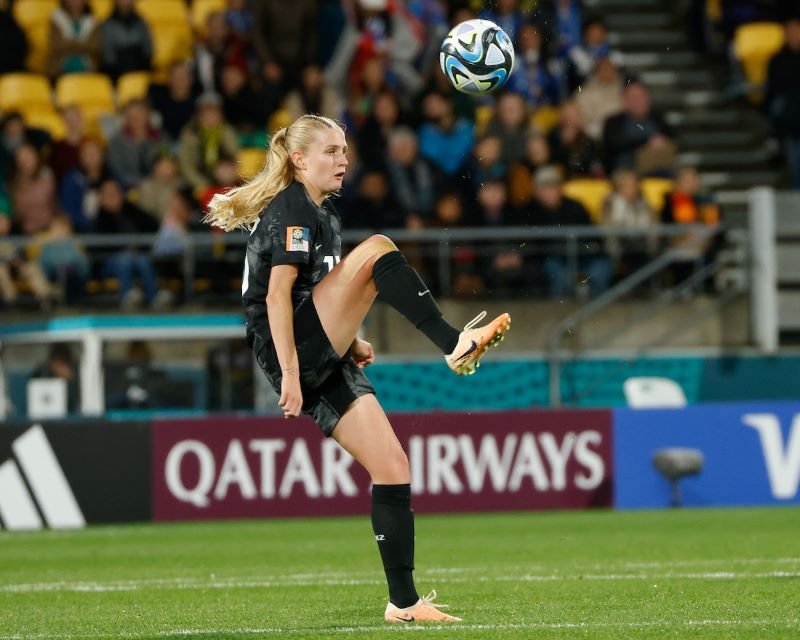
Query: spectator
(240, 106)
(205, 140)
(80, 191)
(507, 16)
(690, 204)
(504, 264)
(783, 96)
(13, 134)
(62, 259)
(125, 41)
(374, 207)
(534, 76)
(155, 191)
(313, 95)
(117, 216)
(13, 42)
(487, 162)
(636, 128)
(369, 85)
(174, 101)
(467, 279)
(64, 152)
(510, 124)
(216, 50)
(593, 47)
(567, 14)
(373, 136)
(172, 241)
(61, 364)
(134, 149)
(33, 191)
(552, 209)
(600, 97)
(411, 178)
(520, 177)
(14, 264)
(73, 40)
(226, 176)
(240, 20)
(285, 40)
(627, 208)
(443, 139)
(571, 147)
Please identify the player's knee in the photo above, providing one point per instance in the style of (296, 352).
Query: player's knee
(395, 468)
(380, 244)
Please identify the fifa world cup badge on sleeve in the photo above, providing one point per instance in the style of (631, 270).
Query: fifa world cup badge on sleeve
(297, 238)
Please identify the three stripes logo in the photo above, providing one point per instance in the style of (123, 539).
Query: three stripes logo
(47, 487)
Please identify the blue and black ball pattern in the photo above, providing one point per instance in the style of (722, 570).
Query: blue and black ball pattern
(477, 57)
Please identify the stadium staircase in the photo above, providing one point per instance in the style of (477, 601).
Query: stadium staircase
(726, 138)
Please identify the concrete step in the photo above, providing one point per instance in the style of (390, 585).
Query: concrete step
(671, 99)
(715, 140)
(608, 7)
(683, 79)
(756, 159)
(648, 40)
(705, 120)
(661, 20)
(739, 179)
(662, 60)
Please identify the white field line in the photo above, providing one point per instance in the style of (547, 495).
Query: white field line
(387, 628)
(306, 580)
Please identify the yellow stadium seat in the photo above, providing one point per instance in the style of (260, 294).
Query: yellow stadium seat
(30, 13)
(483, 115)
(590, 192)
(38, 47)
(92, 92)
(101, 8)
(25, 91)
(279, 119)
(201, 9)
(754, 45)
(131, 86)
(48, 120)
(545, 118)
(655, 190)
(171, 43)
(251, 161)
(163, 11)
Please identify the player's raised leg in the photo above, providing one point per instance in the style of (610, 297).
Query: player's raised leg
(374, 267)
(364, 431)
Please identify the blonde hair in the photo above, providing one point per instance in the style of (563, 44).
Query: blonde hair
(240, 207)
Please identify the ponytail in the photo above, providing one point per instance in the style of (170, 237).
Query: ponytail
(240, 207)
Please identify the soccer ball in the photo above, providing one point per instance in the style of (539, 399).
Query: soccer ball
(477, 57)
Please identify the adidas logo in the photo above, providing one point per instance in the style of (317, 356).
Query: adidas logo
(35, 462)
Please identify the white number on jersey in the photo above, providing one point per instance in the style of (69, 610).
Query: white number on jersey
(246, 276)
(332, 261)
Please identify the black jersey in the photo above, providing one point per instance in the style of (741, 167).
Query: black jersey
(291, 230)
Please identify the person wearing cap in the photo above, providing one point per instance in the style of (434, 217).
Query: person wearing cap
(551, 208)
(205, 140)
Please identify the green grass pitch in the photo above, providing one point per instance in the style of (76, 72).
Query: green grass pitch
(728, 573)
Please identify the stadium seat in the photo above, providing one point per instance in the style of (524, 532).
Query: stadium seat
(250, 162)
(201, 9)
(171, 43)
(646, 392)
(754, 45)
(161, 12)
(48, 120)
(30, 13)
(590, 192)
(279, 119)
(101, 8)
(131, 86)
(25, 92)
(483, 115)
(655, 190)
(92, 92)
(545, 119)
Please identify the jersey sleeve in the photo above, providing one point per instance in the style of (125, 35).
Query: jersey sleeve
(292, 232)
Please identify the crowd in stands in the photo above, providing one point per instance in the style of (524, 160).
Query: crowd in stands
(422, 155)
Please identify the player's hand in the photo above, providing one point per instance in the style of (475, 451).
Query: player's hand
(362, 353)
(291, 396)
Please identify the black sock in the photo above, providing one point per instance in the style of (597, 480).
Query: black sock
(400, 285)
(393, 524)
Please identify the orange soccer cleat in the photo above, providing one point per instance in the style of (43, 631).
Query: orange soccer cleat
(423, 611)
(473, 343)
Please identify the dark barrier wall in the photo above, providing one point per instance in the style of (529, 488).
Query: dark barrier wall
(105, 467)
(460, 462)
(751, 451)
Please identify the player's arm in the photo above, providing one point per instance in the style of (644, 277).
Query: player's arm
(281, 321)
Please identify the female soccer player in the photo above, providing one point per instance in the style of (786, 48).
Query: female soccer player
(304, 308)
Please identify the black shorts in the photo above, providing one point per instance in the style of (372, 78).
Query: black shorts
(330, 384)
